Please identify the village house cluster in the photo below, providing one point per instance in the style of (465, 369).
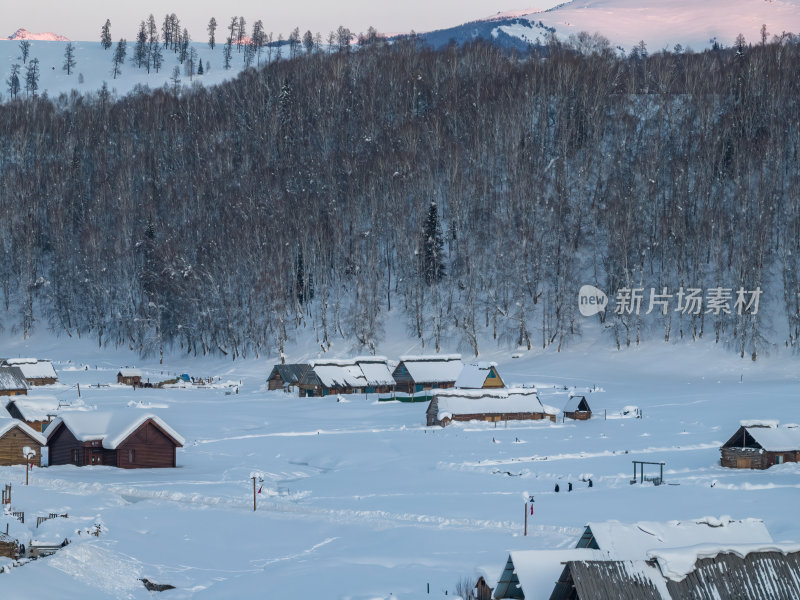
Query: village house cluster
(454, 390)
(703, 559)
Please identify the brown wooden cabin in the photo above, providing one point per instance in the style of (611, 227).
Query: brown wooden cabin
(12, 382)
(482, 589)
(8, 546)
(35, 371)
(129, 377)
(760, 447)
(482, 375)
(14, 437)
(36, 413)
(360, 375)
(285, 377)
(577, 408)
(112, 439)
(511, 404)
(420, 373)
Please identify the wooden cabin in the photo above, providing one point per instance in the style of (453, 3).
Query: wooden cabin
(15, 438)
(286, 377)
(12, 382)
(35, 371)
(37, 413)
(768, 572)
(761, 444)
(476, 376)
(511, 404)
(482, 589)
(577, 408)
(360, 375)
(123, 440)
(129, 377)
(419, 373)
(9, 546)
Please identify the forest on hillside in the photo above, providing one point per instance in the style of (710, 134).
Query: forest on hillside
(470, 190)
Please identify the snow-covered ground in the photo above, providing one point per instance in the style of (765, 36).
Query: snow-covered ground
(360, 500)
(664, 23)
(94, 65)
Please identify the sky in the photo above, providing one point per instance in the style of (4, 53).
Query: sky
(82, 19)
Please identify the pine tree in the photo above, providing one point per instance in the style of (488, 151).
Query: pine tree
(157, 57)
(285, 104)
(227, 53)
(308, 41)
(32, 77)
(200, 70)
(105, 35)
(433, 269)
(119, 56)
(69, 58)
(140, 50)
(13, 81)
(212, 28)
(241, 33)
(25, 50)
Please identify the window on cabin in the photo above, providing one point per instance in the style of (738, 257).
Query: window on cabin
(491, 374)
(131, 456)
(75, 456)
(779, 459)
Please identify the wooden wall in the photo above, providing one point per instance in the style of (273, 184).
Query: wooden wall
(753, 458)
(61, 445)
(152, 449)
(11, 445)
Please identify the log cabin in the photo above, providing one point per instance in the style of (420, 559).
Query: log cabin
(9, 546)
(128, 376)
(15, 438)
(760, 445)
(123, 440)
(12, 382)
(35, 371)
(509, 404)
(360, 375)
(577, 408)
(419, 373)
(36, 411)
(482, 375)
(286, 377)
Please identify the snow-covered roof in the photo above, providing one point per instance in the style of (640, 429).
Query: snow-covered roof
(33, 368)
(110, 427)
(776, 439)
(126, 372)
(437, 368)
(538, 570)
(634, 540)
(376, 372)
(11, 378)
(501, 401)
(473, 375)
(759, 423)
(36, 408)
(8, 425)
(677, 563)
(361, 371)
(573, 403)
(339, 373)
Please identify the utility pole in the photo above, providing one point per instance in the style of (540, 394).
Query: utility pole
(254, 492)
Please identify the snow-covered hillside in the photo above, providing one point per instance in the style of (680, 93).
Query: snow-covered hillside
(663, 23)
(94, 66)
(360, 500)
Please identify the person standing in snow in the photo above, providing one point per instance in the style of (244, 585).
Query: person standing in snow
(590, 482)
(556, 488)
(569, 489)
